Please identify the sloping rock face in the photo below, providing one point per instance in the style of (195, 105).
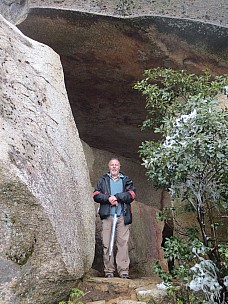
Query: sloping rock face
(47, 222)
(103, 57)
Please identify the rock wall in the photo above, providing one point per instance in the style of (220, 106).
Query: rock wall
(47, 220)
(212, 11)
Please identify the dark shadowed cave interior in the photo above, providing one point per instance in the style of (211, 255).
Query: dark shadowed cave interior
(103, 57)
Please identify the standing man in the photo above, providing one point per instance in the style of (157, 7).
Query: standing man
(115, 192)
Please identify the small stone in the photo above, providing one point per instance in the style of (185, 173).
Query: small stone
(150, 295)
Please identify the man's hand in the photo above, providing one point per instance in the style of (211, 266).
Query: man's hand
(112, 200)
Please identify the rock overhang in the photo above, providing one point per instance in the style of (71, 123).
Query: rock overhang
(103, 57)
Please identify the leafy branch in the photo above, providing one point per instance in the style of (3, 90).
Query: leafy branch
(190, 161)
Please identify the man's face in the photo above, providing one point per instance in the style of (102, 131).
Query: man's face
(114, 167)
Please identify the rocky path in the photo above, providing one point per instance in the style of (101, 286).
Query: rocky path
(121, 291)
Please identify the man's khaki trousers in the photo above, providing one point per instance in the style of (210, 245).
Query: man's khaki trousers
(122, 237)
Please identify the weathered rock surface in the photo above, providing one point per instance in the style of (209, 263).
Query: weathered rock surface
(146, 239)
(13, 10)
(47, 222)
(151, 294)
(103, 57)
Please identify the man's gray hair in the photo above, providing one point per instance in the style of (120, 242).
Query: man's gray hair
(113, 158)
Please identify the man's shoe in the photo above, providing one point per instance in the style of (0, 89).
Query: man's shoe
(109, 275)
(124, 276)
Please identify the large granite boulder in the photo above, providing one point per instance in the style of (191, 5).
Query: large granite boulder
(47, 222)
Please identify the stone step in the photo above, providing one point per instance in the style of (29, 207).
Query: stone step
(121, 291)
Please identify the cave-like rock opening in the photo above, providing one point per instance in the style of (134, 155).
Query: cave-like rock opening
(103, 57)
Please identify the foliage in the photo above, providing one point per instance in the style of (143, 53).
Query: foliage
(74, 294)
(192, 276)
(190, 160)
(167, 91)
